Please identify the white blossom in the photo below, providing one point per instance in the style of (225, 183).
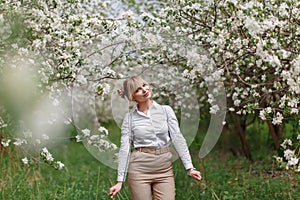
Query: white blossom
(106, 88)
(293, 103)
(47, 155)
(237, 102)
(278, 159)
(60, 165)
(2, 123)
(253, 26)
(294, 111)
(23, 51)
(86, 132)
(102, 129)
(214, 109)
(68, 121)
(283, 9)
(15, 46)
(128, 15)
(78, 138)
(19, 142)
(268, 110)
(298, 168)
(25, 161)
(293, 161)
(5, 143)
(81, 79)
(288, 154)
(262, 114)
(285, 143)
(234, 2)
(278, 119)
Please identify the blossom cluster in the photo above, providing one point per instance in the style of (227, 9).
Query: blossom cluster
(99, 140)
(291, 155)
(48, 158)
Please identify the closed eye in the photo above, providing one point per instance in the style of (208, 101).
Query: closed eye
(137, 90)
(144, 85)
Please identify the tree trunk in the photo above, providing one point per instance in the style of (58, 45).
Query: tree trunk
(276, 133)
(1, 146)
(241, 130)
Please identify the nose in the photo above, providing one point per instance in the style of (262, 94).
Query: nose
(144, 89)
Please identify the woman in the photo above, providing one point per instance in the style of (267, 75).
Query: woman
(150, 128)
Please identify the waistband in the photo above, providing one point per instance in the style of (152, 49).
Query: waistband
(153, 150)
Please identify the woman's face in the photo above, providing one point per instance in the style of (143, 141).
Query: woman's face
(142, 94)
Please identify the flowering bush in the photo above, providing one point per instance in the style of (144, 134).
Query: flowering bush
(53, 47)
(253, 46)
(249, 46)
(291, 155)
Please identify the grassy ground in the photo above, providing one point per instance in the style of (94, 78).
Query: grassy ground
(224, 177)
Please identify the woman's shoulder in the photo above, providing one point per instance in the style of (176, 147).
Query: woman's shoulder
(167, 108)
(130, 112)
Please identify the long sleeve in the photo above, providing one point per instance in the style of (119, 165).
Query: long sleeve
(178, 140)
(124, 153)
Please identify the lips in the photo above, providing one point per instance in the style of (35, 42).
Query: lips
(146, 95)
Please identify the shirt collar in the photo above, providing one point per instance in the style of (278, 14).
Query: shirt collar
(154, 105)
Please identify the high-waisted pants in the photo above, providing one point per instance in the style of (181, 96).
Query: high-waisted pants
(151, 175)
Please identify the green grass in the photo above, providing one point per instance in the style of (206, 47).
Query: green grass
(224, 177)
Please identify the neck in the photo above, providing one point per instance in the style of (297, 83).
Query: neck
(144, 106)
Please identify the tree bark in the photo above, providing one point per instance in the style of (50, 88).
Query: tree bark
(276, 133)
(1, 146)
(241, 130)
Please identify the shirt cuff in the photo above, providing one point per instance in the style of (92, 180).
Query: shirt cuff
(121, 177)
(188, 166)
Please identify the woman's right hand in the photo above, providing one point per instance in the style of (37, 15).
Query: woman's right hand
(115, 189)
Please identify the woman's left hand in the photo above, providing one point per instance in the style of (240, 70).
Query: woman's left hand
(195, 174)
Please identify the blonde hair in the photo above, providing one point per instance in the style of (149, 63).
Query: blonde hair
(130, 85)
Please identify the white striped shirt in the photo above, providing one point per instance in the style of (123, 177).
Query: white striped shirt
(159, 128)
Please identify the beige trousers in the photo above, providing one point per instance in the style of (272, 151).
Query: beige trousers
(151, 175)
